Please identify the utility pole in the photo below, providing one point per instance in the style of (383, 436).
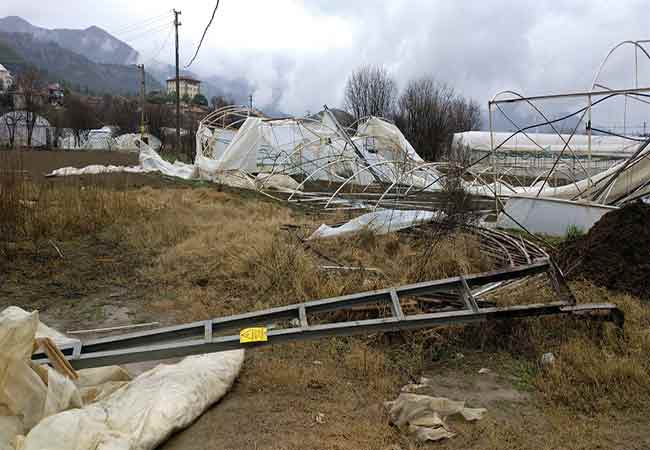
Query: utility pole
(142, 95)
(178, 85)
(250, 102)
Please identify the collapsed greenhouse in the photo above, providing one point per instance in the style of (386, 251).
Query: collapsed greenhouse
(318, 162)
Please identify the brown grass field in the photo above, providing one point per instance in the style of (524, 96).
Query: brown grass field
(156, 249)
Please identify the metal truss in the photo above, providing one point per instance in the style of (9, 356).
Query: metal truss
(458, 299)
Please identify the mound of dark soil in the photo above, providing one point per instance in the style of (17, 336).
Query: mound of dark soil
(615, 253)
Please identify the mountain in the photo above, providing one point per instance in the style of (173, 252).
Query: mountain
(53, 52)
(94, 43)
(20, 51)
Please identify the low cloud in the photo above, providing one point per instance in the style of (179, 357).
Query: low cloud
(297, 55)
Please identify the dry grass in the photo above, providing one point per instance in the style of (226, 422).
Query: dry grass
(200, 253)
(31, 212)
(225, 255)
(599, 368)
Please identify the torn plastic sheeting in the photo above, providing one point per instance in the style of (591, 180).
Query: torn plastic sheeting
(151, 161)
(28, 393)
(424, 416)
(146, 411)
(96, 169)
(131, 141)
(276, 181)
(378, 222)
(42, 331)
(140, 414)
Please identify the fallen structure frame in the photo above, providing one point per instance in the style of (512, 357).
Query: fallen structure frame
(204, 336)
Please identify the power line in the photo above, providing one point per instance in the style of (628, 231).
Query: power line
(136, 25)
(202, 37)
(171, 30)
(147, 33)
(146, 29)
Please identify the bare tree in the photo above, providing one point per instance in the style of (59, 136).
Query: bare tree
(465, 115)
(79, 117)
(370, 91)
(32, 100)
(429, 113)
(11, 121)
(121, 112)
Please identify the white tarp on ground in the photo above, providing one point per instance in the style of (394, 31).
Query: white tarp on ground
(378, 222)
(96, 169)
(150, 161)
(424, 416)
(41, 409)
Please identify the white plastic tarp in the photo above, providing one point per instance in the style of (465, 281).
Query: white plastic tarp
(131, 141)
(388, 140)
(554, 217)
(43, 409)
(96, 169)
(100, 139)
(317, 150)
(145, 412)
(241, 154)
(150, 161)
(378, 222)
(425, 417)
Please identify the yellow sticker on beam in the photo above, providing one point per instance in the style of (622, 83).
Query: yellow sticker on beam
(255, 334)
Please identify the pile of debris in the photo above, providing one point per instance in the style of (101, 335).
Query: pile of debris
(614, 254)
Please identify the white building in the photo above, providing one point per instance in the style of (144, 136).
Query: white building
(187, 86)
(6, 80)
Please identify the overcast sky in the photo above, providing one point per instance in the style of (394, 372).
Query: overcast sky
(306, 49)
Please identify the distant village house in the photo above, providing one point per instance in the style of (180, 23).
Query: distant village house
(188, 86)
(55, 94)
